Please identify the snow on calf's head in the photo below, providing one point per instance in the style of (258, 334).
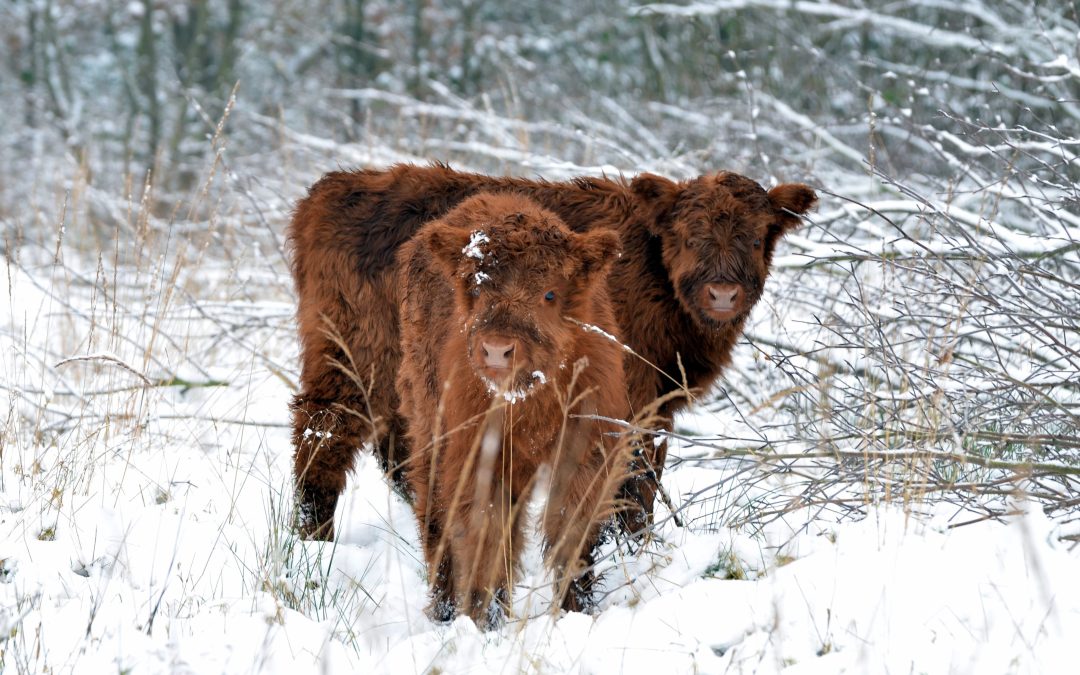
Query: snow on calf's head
(519, 274)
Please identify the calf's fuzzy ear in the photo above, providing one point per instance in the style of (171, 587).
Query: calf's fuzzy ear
(794, 197)
(789, 200)
(658, 196)
(448, 245)
(595, 251)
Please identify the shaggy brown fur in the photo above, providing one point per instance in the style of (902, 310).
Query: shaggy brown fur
(495, 363)
(696, 255)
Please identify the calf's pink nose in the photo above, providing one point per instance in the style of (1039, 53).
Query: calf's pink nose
(722, 296)
(498, 354)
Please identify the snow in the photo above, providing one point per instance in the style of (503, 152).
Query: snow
(474, 249)
(198, 540)
(603, 333)
(516, 395)
(172, 556)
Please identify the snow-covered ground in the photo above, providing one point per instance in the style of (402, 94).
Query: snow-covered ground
(144, 524)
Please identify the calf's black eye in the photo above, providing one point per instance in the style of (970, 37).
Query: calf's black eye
(549, 296)
(757, 243)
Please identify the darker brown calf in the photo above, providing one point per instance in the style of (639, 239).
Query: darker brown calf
(499, 378)
(695, 258)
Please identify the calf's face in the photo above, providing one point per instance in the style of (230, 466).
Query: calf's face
(518, 279)
(718, 233)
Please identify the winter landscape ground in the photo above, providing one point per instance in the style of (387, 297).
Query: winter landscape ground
(887, 480)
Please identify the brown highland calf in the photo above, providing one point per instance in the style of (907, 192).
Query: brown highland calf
(498, 378)
(696, 254)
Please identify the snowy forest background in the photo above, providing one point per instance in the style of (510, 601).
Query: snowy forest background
(887, 479)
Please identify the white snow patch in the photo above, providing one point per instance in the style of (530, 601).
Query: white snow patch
(473, 249)
(515, 395)
(600, 331)
(1060, 61)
